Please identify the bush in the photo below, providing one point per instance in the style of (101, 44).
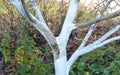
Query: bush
(103, 61)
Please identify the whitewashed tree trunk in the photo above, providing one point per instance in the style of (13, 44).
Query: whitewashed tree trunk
(58, 44)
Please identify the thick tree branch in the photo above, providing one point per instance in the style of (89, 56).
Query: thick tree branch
(89, 32)
(92, 46)
(20, 5)
(68, 26)
(112, 15)
(63, 38)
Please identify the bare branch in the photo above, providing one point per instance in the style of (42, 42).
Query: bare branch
(20, 5)
(107, 34)
(88, 34)
(26, 12)
(107, 41)
(106, 6)
(92, 46)
(38, 12)
(112, 15)
(93, 25)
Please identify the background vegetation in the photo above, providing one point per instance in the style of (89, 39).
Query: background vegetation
(23, 51)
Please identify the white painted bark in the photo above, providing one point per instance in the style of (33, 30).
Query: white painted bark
(98, 43)
(71, 60)
(62, 39)
(68, 27)
(62, 66)
(39, 24)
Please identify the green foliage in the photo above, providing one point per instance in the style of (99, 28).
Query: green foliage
(103, 61)
(25, 56)
(5, 46)
(29, 61)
